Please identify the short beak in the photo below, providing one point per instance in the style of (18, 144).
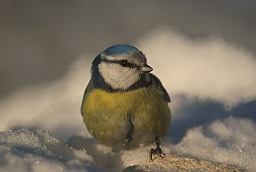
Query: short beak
(146, 68)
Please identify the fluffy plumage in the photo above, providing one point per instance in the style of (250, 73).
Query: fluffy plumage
(123, 105)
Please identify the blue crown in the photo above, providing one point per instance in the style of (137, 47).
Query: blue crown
(120, 49)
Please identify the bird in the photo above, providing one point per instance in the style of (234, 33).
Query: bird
(125, 106)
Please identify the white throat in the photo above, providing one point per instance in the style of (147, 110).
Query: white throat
(118, 77)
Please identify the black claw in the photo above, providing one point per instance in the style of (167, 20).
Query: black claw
(152, 151)
(157, 151)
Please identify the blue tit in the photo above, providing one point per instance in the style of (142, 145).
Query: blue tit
(124, 106)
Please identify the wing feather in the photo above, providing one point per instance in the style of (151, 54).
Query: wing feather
(160, 87)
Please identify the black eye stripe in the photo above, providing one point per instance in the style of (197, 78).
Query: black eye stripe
(123, 63)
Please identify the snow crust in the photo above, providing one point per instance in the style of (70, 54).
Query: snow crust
(36, 150)
(230, 141)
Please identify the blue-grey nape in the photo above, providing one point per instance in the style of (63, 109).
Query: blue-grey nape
(120, 49)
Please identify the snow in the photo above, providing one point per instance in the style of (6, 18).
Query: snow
(42, 130)
(230, 141)
(36, 150)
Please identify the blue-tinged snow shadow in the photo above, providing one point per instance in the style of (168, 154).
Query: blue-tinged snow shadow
(199, 113)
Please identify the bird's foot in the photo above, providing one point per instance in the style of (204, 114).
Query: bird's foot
(157, 151)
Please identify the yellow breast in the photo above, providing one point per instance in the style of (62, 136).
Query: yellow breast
(105, 115)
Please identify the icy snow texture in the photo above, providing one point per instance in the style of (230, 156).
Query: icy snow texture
(199, 70)
(230, 141)
(28, 150)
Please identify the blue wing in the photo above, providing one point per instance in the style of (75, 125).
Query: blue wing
(160, 87)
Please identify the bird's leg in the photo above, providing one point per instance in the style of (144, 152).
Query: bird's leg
(157, 150)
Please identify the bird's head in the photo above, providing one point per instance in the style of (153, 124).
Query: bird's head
(121, 66)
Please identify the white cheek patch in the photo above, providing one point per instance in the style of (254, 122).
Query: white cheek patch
(118, 77)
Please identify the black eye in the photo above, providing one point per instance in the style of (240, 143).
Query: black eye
(124, 63)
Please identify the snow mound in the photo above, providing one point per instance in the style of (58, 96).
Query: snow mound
(35, 150)
(230, 141)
